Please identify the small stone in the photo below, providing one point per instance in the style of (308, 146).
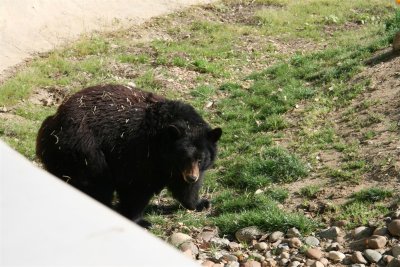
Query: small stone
(251, 263)
(207, 263)
(294, 264)
(330, 233)
(357, 257)
(295, 242)
(358, 265)
(248, 234)
(189, 245)
(376, 242)
(232, 264)
(310, 262)
(335, 246)
(269, 262)
(189, 253)
(394, 263)
(283, 262)
(275, 236)
(394, 227)
(261, 246)
(257, 256)
(381, 231)
(208, 233)
(361, 232)
(216, 256)
(324, 261)
(311, 241)
(233, 246)
(229, 257)
(285, 255)
(336, 256)
(396, 250)
(358, 244)
(218, 265)
(314, 253)
(293, 232)
(387, 258)
(177, 239)
(372, 255)
(219, 242)
(317, 264)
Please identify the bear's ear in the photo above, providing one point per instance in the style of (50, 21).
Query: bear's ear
(214, 134)
(174, 132)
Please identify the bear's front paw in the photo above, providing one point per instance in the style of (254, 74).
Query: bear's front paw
(203, 204)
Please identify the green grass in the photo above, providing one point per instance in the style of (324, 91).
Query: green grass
(254, 74)
(310, 191)
(371, 195)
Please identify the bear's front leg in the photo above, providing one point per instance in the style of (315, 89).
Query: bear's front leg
(203, 204)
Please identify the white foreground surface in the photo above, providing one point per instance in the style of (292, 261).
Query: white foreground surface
(45, 222)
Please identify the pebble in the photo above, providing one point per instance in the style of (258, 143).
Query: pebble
(189, 245)
(394, 227)
(376, 242)
(330, 233)
(361, 232)
(357, 257)
(294, 264)
(207, 234)
(335, 246)
(295, 242)
(251, 263)
(381, 231)
(293, 232)
(336, 256)
(261, 246)
(275, 236)
(396, 250)
(177, 239)
(248, 234)
(219, 242)
(233, 246)
(358, 265)
(311, 241)
(269, 262)
(324, 261)
(314, 253)
(372, 255)
(285, 255)
(317, 264)
(207, 263)
(232, 264)
(257, 256)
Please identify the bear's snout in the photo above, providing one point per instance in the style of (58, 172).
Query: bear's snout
(192, 174)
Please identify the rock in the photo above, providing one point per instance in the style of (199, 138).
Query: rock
(251, 263)
(261, 246)
(248, 234)
(232, 264)
(275, 236)
(269, 262)
(311, 241)
(295, 242)
(189, 253)
(394, 263)
(358, 244)
(257, 256)
(314, 253)
(387, 258)
(208, 233)
(361, 232)
(324, 261)
(233, 246)
(335, 246)
(330, 233)
(396, 250)
(283, 262)
(294, 264)
(381, 231)
(177, 239)
(189, 245)
(336, 256)
(376, 242)
(207, 263)
(216, 256)
(358, 265)
(310, 262)
(285, 255)
(293, 232)
(394, 227)
(357, 257)
(372, 255)
(317, 264)
(219, 242)
(229, 257)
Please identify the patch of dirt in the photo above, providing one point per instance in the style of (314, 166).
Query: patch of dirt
(48, 96)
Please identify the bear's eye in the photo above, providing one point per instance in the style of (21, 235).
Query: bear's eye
(199, 162)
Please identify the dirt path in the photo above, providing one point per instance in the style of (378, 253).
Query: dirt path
(32, 26)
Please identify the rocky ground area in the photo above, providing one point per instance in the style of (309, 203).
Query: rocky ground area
(375, 245)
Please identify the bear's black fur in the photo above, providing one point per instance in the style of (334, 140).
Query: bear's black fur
(116, 138)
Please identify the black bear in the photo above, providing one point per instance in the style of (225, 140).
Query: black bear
(117, 138)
